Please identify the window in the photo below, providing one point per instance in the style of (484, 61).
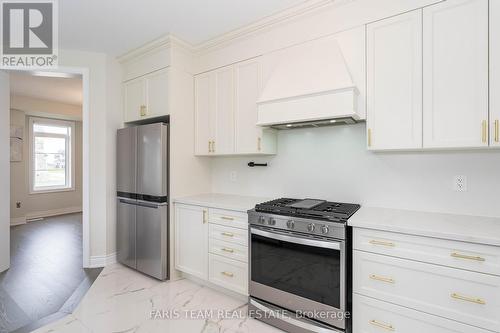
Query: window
(52, 155)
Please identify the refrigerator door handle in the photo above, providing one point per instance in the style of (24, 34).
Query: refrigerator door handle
(128, 202)
(142, 203)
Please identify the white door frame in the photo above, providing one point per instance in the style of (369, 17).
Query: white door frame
(84, 72)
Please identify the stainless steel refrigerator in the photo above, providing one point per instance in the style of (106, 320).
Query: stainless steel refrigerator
(142, 191)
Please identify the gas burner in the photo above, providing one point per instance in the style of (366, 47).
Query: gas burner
(309, 208)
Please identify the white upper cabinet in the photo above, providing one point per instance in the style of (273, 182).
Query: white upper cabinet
(455, 74)
(394, 82)
(250, 138)
(226, 112)
(146, 96)
(495, 73)
(205, 113)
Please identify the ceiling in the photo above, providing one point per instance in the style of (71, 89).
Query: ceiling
(117, 26)
(64, 90)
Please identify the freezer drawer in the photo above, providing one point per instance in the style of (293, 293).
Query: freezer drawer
(126, 212)
(152, 166)
(152, 235)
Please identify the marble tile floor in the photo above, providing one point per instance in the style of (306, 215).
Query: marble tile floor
(122, 300)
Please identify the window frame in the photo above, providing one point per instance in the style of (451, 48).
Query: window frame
(70, 150)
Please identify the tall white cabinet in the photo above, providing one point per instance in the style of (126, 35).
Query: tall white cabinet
(495, 73)
(455, 55)
(226, 112)
(394, 79)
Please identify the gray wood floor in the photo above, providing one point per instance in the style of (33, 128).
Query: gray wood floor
(46, 277)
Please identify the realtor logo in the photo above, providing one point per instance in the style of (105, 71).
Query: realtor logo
(29, 33)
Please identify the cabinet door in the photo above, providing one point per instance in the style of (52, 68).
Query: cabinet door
(191, 240)
(134, 99)
(495, 73)
(394, 77)
(455, 62)
(224, 111)
(157, 94)
(204, 113)
(248, 87)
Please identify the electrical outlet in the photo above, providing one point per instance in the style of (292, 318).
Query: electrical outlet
(233, 176)
(18, 204)
(460, 183)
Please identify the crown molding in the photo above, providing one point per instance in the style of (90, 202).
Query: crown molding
(163, 41)
(281, 17)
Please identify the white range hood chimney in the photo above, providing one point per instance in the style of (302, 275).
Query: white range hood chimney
(309, 84)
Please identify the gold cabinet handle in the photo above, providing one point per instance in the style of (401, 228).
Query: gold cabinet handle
(228, 234)
(228, 274)
(485, 131)
(377, 242)
(213, 146)
(204, 216)
(464, 256)
(259, 144)
(369, 137)
(497, 130)
(227, 218)
(382, 325)
(468, 299)
(143, 110)
(382, 279)
(209, 146)
(228, 250)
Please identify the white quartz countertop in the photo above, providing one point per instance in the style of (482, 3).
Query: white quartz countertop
(222, 201)
(473, 229)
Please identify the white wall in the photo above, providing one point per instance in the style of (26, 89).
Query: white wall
(104, 106)
(333, 163)
(42, 204)
(4, 171)
(45, 108)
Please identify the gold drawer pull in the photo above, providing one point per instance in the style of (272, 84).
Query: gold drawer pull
(228, 274)
(468, 299)
(463, 256)
(381, 325)
(381, 278)
(228, 250)
(227, 218)
(143, 110)
(485, 131)
(369, 137)
(228, 234)
(376, 242)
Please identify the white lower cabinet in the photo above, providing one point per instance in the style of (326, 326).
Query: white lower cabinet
(212, 244)
(373, 316)
(424, 279)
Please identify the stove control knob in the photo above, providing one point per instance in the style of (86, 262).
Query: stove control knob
(272, 221)
(262, 219)
(311, 227)
(290, 224)
(325, 229)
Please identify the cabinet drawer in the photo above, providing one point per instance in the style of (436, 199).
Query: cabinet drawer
(228, 218)
(473, 257)
(228, 234)
(230, 274)
(467, 297)
(229, 250)
(371, 316)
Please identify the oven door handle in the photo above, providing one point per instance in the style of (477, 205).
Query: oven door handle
(297, 240)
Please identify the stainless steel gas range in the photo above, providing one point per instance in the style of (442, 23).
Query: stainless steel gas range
(300, 265)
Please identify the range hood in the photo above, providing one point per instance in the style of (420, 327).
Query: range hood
(309, 85)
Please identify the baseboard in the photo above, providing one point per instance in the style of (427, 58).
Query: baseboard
(102, 261)
(17, 221)
(53, 212)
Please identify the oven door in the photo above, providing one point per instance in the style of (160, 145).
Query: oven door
(299, 273)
